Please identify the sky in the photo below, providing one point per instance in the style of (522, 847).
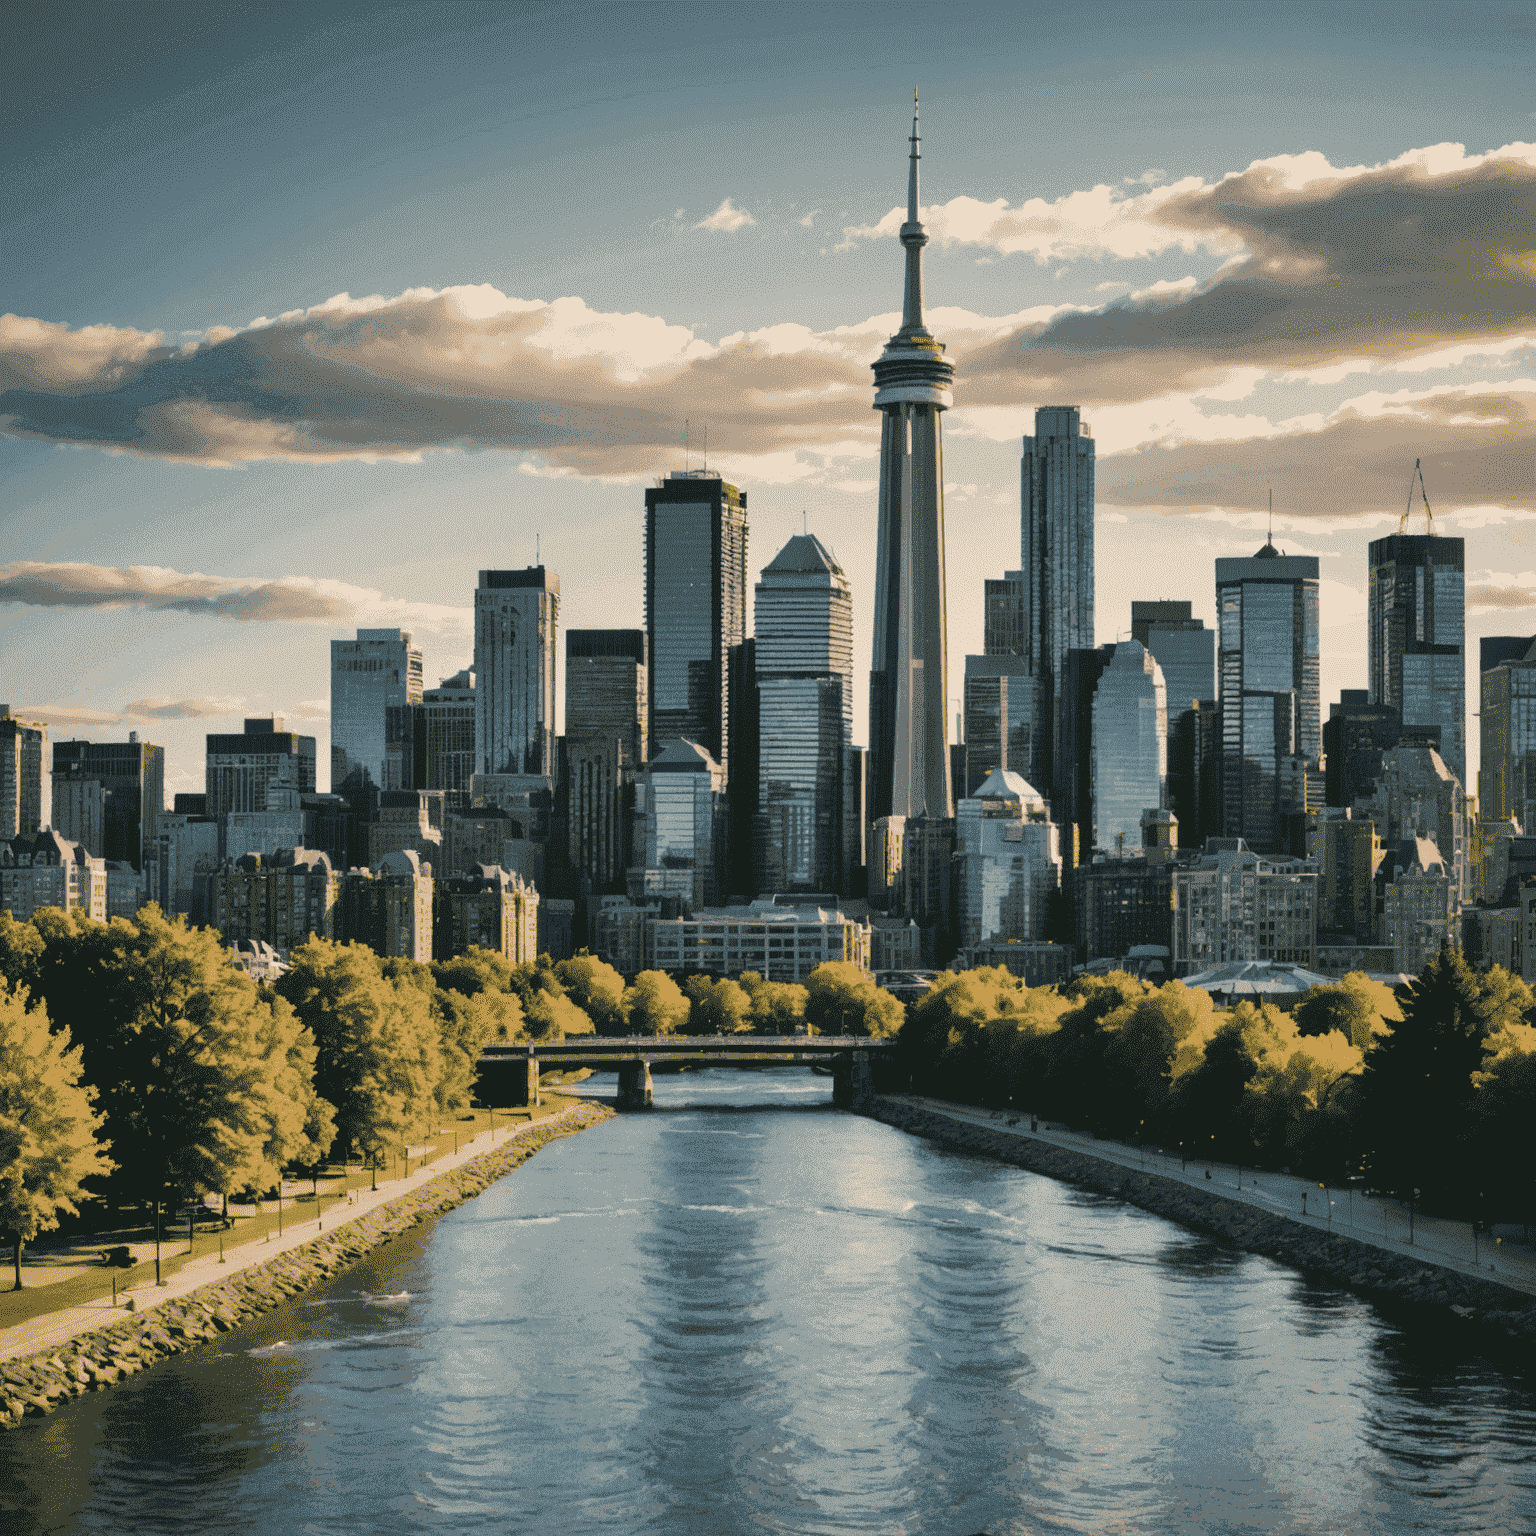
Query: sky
(311, 312)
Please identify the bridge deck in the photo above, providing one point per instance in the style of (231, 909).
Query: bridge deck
(593, 1050)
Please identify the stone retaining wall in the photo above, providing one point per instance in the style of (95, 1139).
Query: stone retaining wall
(37, 1384)
(1386, 1278)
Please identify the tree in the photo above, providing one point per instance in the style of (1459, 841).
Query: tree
(552, 1016)
(1359, 1008)
(716, 1007)
(48, 1127)
(1505, 1111)
(655, 1005)
(777, 1006)
(374, 1058)
(596, 988)
(1416, 1090)
(842, 999)
(21, 953)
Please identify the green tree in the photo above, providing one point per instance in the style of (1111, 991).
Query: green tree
(1357, 1007)
(376, 1044)
(48, 1129)
(596, 988)
(777, 1006)
(842, 999)
(552, 1016)
(1416, 1091)
(21, 953)
(655, 1005)
(716, 1007)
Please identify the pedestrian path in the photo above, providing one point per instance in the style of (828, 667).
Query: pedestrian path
(1347, 1212)
(55, 1328)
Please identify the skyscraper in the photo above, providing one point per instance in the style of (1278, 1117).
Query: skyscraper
(908, 685)
(241, 769)
(517, 615)
(804, 655)
(131, 776)
(1130, 747)
(999, 715)
(1005, 631)
(1271, 705)
(605, 747)
(1056, 478)
(443, 735)
(374, 681)
(695, 606)
(1417, 618)
(23, 769)
(1182, 646)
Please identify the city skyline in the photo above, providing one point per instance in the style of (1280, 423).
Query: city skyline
(205, 594)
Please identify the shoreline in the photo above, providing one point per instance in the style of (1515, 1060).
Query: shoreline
(95, 1357)
(1375, 1273)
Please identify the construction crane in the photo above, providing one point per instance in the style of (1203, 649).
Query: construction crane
(1429, 517)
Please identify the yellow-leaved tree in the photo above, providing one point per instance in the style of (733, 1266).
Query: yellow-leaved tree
(48, 1143)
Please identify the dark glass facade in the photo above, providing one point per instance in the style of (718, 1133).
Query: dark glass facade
(999, 717)
(132, 777)
(695, 606)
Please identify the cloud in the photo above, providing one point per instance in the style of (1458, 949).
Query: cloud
(728, 218)
(1484, 594)
(288, 599)
(1478, 444)
(1330, 271)
(65, 714)
(309, 709)
(161, 708)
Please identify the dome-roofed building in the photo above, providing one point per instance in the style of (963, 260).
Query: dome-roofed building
(1010, 861)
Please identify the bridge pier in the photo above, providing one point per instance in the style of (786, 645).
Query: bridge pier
(635, 1085)
(853, 1084)
(525, 1086)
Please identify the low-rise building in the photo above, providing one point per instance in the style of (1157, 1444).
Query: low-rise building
(258, 959)
(1120, 903)
(183, 865)
(389, 908)
(780, 943)
(125, 889)
(46, 870)
(1418, 904)
(489, 908)
(1231, 904)
(1036, 965)
(283, 898)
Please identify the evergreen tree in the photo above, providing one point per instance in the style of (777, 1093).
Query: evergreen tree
(48, 1128)
(1416, 1091)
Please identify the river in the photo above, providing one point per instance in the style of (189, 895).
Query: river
(749, 1313)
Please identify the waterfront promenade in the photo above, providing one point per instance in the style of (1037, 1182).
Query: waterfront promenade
(1340, 1211)
(57, 1327)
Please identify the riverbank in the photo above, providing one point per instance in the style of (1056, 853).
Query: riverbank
(95, 1357)
(1388, 1278)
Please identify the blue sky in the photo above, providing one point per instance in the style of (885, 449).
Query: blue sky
(1258, 250)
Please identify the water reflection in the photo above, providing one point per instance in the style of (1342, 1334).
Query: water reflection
(731, 1320)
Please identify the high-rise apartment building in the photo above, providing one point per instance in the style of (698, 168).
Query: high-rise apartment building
(517, 616)
(909, 685)
(42, 869)
(240, 769)
(1417, 619)
(1130, 747)
(129, 801)
(1355, 735)
(695, 606)
(999, 716)
(1005, 630)
(1056, 491)
(804, 656)
(1182, 646)
(1417, 795)
(606, 725)
(1231, 904)
(23, 767)
(1269, 691)
(375, 679)
(443, 736)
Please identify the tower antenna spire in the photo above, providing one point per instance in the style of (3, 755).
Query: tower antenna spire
(1271, 538)
(913, 236)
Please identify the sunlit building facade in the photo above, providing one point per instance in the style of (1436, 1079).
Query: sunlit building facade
(1130, 747)
(375, 679)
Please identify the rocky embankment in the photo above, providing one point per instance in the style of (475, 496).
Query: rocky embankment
(1387, 1278)
(37, 1384)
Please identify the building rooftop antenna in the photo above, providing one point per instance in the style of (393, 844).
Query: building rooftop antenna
(706, 447)
(687, 446)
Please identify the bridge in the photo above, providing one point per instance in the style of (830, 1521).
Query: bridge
(509, 1074)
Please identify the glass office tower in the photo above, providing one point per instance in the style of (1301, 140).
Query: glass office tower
(695, 606)
(1271, 706)
(1056, 474)
(1130, 747)
(999, 716)
(1185, 649)
(1417, 618)
(517, 616)
(605, 747)
(375, 679)
(804, 686)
